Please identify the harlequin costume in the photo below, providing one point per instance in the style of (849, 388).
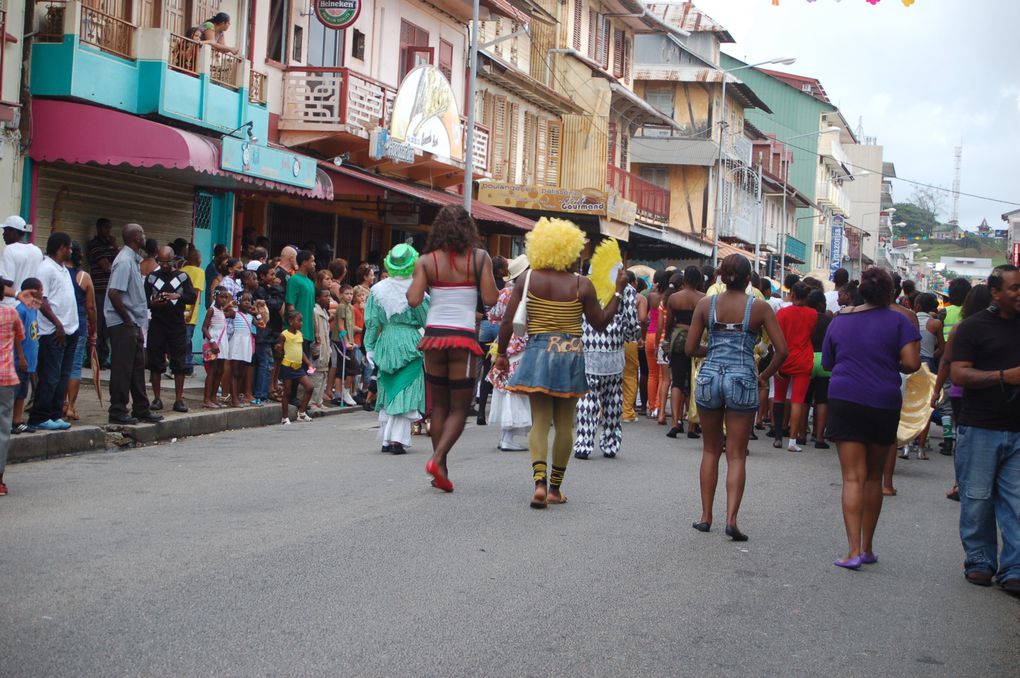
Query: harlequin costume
(392, 332)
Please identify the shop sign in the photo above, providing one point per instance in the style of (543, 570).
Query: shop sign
(242, 157)
(425, 114)
(382, 145)
(336, 14)
(544, 198)
(621, 209)
(836, 248)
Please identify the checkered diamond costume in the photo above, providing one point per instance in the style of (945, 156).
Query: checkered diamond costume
(602, 407)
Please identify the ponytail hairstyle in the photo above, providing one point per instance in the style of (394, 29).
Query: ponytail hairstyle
(735, 272)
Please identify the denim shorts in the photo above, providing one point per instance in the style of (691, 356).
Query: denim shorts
(79, 350)
(733, 388)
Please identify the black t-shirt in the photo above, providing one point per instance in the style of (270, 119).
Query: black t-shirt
(169, 314)
(818, 336)
(990, 343)
(274, 298)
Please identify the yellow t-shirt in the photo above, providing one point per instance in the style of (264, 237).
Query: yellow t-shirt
(197, 276)
(293, 343)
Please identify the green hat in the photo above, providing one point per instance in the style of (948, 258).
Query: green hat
(400, 261)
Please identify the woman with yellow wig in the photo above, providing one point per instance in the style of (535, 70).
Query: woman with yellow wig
(551, 372)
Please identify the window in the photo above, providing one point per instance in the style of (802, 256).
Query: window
(618, 40)
(324, 45)
(298, 42)
(511, 156)
(446, 59)
(528, 164)
(657, 175)
(497, 114)
(414, 48)
(806, 89)
(598, 39)
(276, 40)
(624, 149)
(547, 157)
(577, 25)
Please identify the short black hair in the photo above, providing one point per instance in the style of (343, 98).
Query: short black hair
(56, 241)
(259, 253)
(958, 290)
(263, 269)
(926, 302)
(693, 277)
(219, 249)
(303, 256)
(801, 290)
(790, 280)
(841, 277)
(151, 246)
(31, 284)
(103, 221)
(995, 279)
(909, 287)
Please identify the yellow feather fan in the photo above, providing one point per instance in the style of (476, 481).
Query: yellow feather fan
(604, 263)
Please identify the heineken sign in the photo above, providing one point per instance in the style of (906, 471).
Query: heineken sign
(337, 14)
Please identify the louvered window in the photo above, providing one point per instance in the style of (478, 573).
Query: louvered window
(499, 137)
(624, 150)
(515, 140)
(577, 24)
(593, 33)
(598, 38)
(612, 143)
(627, 47)
(530, 151)
(618, 40)
(553, 137)
(514, 27)
(446, 59)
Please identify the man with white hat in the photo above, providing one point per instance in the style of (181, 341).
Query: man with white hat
(19, 260)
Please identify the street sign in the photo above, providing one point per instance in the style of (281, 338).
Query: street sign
(836, 248)
(336, 14)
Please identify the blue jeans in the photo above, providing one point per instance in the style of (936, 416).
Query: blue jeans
(263, 370)
(988, 473)
(53, 372)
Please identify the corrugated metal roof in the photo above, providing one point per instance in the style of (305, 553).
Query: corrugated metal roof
(678, 73)
(687, 17)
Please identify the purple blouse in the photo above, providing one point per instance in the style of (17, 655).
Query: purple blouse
(863, 352)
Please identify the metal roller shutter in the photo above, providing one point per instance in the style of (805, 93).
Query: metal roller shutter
(71, 197)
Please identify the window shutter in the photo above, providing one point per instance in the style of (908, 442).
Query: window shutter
(498, 47)
(618, 53)
(612, 143)
(577, 25)
(624, 150)
(446, 59)
(487, 109)
(514, 27)
(603, 42)
(541, 151)
(511, 156)
(499, 138)
(593, 35)
(627, 47)
(528, 160)
(554, 135)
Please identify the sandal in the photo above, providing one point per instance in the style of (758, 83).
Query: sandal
(538, 500)
(560, 498)
(953, 494)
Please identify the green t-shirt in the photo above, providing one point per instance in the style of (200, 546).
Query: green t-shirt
(301, 295)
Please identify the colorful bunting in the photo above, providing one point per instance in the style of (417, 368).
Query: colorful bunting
(906, 3)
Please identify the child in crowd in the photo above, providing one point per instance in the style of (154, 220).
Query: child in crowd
(322, 353)
(343, 340)
(214, 350)
(28, 312)
(360, 298)
(12, 360)
(293, 367)
(241, 350)
(260, 320)
(249, 282)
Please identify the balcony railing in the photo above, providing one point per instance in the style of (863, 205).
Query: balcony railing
(652, 200)
(480, 149)
(108, 33)
(226, 69)
(257, 88)
(184, 54)
(51, 22)
(331, 98)
(830, 194)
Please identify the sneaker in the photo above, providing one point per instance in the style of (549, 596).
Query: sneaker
(61, 424)
(49, 425)
(792, 446)
(285, 421)
(20, 428)
(156, 405)
(348, 399)
(512, 446)
(3, 490)
(179, 406)
(303, 416)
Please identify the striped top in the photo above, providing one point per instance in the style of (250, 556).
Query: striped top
(545, 315)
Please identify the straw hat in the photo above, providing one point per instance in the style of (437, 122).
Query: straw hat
(518, 265)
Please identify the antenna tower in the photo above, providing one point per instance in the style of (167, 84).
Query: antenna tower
(956, 186)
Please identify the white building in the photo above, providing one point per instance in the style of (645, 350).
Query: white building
(974, 268)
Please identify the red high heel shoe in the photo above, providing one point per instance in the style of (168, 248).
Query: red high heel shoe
(440, 480)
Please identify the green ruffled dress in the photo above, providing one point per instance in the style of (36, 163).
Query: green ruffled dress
(394, 342)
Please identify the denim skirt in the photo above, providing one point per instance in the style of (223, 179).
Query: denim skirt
(552, 363)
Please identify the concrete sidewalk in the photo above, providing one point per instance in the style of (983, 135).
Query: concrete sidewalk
(93, 432)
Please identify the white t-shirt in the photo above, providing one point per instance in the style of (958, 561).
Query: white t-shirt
(19, 261)
(59, 292)
(832, 301)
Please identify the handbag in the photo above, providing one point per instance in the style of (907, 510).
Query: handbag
(521, 314)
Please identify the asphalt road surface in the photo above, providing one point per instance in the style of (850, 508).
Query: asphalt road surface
(303, 550)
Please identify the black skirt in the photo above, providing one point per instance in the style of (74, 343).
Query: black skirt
(853, 422)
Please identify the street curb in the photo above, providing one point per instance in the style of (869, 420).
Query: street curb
(83, 439)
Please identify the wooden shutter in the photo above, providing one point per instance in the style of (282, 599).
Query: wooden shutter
(446, 59)
(514, 144)
(602, 40)
(528, 159)
(577, 25)
(488, 106)
(497, 47)
(624, 149)
(618, 53)
(554, 136)
(499, 138)
(514, 27)
(541, 150)
(627, 46)
(203, 10)
(612, 143)
(593, 34)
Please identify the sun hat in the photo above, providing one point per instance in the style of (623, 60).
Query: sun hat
(400, 261)
(518, 265)
(17, 223)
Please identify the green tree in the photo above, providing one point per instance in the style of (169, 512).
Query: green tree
(969, 241)
(919, 223)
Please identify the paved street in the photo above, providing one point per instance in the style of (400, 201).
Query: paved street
(304, 551)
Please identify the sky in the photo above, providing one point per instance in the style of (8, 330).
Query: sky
(922, 79)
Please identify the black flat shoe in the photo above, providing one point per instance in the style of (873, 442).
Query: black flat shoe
(693, 434)
(733, 533)
(702, 527)
(480, 421)
(754, 436)
(387, 448)
(156, 404)
(675, 431)
(822, 445)
(397, 448)
(580, 455)
(122, 419)
(149, 418)
(777, 443)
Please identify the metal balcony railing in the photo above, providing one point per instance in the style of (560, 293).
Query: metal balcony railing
(652, 200)
(184, 54)
(227, 70)
(107, 32)
(257, 88)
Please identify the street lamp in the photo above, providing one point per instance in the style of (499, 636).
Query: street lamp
(786, 61)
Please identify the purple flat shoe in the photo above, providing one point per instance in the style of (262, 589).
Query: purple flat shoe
(850, 563)
(868, 558)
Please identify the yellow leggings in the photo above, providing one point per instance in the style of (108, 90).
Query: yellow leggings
(547, 411)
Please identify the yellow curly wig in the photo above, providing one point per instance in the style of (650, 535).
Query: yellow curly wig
(554, 243)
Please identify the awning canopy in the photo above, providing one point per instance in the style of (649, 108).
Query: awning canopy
(479, 210)
(726, 249)
(65, 131)
(639, 111)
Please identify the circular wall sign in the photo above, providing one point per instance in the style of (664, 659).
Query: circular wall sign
(337, 14)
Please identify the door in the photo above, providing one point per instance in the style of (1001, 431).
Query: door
(325, 45)
(212, 225)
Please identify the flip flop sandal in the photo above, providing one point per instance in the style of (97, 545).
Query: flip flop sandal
(538, 500)
(562, 499)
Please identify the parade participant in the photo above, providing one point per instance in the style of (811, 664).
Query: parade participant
(602, 406)
(169, 292)
(85, 298)
(510, 411)
(658, 366)
(727, 384)
(487, 333)
(391, 341)
(631, 364)
(680, 311)
(456, 274)
(551, 370)
(642, 313)
(986, 363)
(797, 322)
(818, 392)
(866, 348)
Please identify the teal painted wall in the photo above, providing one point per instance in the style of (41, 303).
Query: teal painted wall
(793, 113)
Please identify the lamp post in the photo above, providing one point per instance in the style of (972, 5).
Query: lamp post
(469, 155)
(786, 61)
(786, 180)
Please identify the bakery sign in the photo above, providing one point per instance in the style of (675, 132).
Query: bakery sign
(544, 198)
(336, 14)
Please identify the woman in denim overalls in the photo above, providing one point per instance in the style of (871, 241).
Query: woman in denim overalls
(727, 384)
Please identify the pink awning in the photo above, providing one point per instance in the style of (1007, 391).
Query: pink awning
(65, 131)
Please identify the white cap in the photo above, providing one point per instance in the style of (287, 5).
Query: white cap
(17, 223)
